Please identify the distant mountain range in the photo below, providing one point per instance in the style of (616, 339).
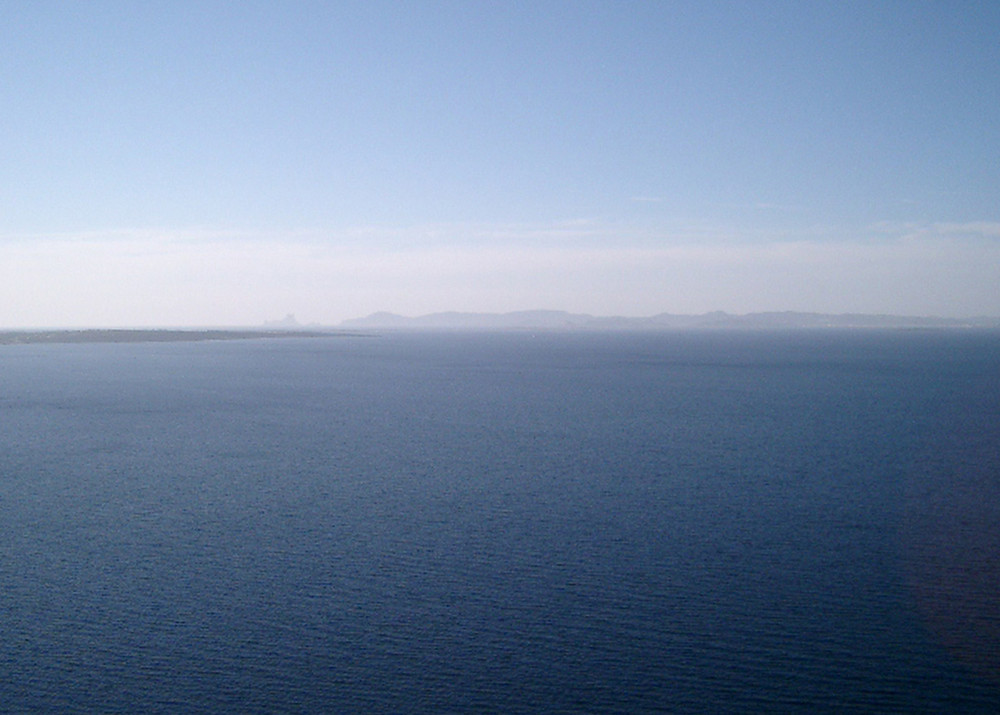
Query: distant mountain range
(561, 320)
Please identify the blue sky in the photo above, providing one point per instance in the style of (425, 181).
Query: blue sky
(197, 163)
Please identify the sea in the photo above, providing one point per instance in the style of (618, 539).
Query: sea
(675, 522)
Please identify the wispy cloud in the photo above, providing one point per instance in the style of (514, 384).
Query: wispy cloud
(989, 229)
(766, 206)
(967, 229)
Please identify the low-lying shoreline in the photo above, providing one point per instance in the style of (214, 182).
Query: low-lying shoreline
(125, 335)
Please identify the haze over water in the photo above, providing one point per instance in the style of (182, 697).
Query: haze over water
(531, 520)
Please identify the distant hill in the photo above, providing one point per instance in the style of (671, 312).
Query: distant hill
(561, 320)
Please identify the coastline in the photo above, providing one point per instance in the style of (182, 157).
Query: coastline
(127, 335)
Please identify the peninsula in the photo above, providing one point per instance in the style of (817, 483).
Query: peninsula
(21, 337)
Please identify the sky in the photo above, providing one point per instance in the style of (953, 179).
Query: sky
(218, 163)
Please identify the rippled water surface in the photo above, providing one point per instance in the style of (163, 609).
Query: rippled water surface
(691, 522)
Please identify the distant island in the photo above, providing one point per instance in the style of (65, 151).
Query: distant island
(21, 337)
(561, 320)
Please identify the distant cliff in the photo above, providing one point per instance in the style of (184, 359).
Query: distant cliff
(560, 320)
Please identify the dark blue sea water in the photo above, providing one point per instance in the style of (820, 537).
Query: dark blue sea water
(690, 522)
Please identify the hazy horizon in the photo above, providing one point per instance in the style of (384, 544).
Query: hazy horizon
(370, 320)
(208, 164)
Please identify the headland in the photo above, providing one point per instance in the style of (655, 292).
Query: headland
(126, 335)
